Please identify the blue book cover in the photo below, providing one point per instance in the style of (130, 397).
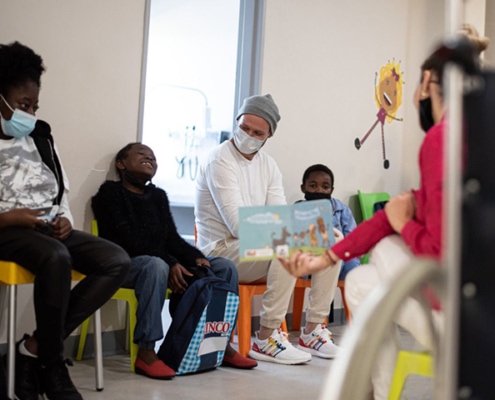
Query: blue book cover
(268, 232)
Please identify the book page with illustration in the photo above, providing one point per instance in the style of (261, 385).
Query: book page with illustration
(268, 232)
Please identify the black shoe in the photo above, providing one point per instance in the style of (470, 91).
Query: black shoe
(56, 382)
(26, 375)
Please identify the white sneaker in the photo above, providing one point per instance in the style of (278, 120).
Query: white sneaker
(277, 349)
(319, 342)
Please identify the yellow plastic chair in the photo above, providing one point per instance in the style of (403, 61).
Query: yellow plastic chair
(127, 295)
(409, 363)
(12, 275)
(367, 202)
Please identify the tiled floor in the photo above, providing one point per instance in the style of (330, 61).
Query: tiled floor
(267, 381)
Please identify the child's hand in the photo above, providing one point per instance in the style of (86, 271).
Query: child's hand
(61, 228)
(300, 264)
(176, 281)
(24, 217)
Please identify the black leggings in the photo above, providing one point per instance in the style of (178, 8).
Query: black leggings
(59, 310)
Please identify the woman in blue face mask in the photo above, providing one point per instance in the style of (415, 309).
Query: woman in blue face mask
(31, 177)
(17, 123)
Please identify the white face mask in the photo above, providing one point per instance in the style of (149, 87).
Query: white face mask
(245, 143)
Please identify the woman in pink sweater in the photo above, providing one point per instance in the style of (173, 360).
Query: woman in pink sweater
(411, 220)
(409, 226)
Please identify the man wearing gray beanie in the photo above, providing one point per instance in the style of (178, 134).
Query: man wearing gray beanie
(262, 106)
(238, 173)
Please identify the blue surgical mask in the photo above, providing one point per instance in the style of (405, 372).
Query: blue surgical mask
(245, 143)
(19, 125)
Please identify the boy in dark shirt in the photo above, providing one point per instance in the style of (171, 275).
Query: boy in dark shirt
(136, 215)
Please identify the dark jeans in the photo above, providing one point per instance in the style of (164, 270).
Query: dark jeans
(59, 310)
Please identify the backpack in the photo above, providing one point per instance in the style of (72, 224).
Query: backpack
(202, 321)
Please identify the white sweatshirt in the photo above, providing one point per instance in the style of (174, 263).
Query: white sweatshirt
(227, 181)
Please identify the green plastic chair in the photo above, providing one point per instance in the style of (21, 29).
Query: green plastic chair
(367, 203)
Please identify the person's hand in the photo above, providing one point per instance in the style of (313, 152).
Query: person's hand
(400, 210)
(300, 264)
(176, 281)
(23, 217)
(338, 237)
(61, 228)
(202, 262)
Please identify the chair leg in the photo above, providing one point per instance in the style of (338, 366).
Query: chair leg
(133, 347)
(82, 339)
(244, 321)
(283, 326)
(344, 302)
(98, 350)
(12, 297)
(246, 294)
(397, 385)
(129, 297)
(97, 346)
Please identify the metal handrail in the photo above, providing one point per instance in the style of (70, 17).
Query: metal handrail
(349, 376)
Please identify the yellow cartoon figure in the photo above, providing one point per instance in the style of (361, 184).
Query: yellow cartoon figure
(388, 99)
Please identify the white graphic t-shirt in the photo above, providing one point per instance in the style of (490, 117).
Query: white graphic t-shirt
(25, 181)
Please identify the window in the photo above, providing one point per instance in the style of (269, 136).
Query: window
(200, 61)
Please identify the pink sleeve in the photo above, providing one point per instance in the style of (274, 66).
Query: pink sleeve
(423, 234)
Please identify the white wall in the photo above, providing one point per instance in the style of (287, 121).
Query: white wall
(319, 63)
(474, 13)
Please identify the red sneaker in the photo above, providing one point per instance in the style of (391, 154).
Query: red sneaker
(157, 370)
(238, 361)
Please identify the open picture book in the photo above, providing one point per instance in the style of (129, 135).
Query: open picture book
(268, 232)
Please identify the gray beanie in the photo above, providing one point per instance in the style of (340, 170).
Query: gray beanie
(262, 106)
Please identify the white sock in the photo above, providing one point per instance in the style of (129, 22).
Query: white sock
(24, 351)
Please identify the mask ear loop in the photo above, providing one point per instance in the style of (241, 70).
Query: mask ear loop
(7, 104)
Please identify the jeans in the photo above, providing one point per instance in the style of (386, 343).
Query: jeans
(149, 277)
(59, 310)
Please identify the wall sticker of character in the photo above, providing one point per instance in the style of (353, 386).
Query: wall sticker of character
(388, 99)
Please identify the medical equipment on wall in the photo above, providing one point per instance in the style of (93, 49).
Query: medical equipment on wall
(185, 116)
(189, 158)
